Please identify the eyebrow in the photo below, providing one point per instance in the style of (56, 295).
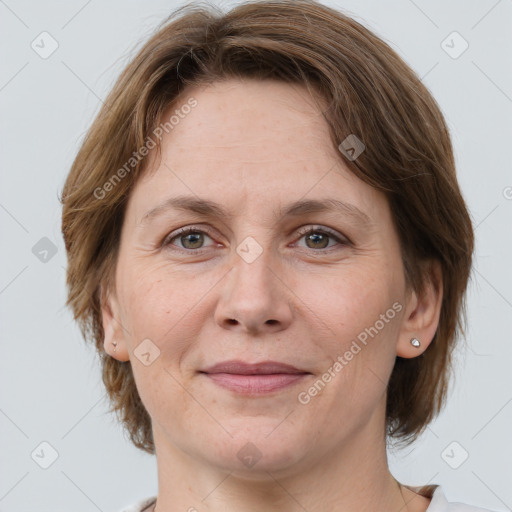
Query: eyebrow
(212, 209)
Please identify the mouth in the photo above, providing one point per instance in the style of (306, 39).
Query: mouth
(254, 379)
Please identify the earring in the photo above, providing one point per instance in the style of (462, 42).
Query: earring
(115, 345)
(415, 342)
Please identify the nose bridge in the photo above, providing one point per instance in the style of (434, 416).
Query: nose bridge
(252, 264)
(254, 297)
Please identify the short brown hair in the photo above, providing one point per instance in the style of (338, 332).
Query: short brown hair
(370, 91)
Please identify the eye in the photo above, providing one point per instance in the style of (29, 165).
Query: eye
(191, 238)
(318, 238)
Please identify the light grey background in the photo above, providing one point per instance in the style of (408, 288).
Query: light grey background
(50, 384)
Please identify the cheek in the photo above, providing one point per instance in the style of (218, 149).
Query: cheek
(353, 301)
(363, 315)
(362, 309)
(162, 306)
(168, 306)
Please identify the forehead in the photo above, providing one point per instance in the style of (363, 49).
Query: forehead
(265, 142)
(259, 118)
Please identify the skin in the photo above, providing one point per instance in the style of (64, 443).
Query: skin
(253, 147)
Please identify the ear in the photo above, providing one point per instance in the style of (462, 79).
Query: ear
(112, 327)
(422, 312)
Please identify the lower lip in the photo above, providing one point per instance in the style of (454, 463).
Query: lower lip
(255, 384)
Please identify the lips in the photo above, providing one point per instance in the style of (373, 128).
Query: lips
(263, 368)
(254, 379)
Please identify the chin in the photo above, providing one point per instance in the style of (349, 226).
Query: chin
(258, 447)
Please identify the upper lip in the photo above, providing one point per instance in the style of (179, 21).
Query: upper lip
(242, 368)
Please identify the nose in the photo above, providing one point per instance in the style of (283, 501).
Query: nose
(254, 298)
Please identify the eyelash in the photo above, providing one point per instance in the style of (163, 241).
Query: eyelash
(301, 233)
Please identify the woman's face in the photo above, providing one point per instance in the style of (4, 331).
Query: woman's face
(319, 287)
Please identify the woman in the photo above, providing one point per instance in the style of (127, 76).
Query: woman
(269, 248)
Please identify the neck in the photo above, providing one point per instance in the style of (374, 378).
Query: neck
(353, 478)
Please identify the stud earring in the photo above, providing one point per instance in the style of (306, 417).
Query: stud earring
(115, 345)
(415, 342)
